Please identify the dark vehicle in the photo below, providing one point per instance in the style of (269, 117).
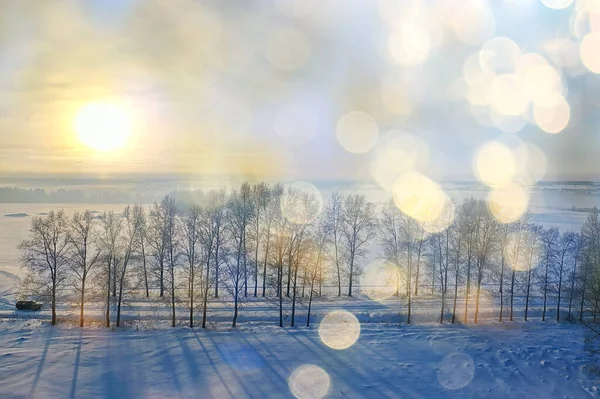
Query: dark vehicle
(28, 305)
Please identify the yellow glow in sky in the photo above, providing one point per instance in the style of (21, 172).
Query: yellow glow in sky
(103, 126)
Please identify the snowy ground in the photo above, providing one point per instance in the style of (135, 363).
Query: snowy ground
(529, 360)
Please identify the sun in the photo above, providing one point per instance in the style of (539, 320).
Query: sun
(103, 126)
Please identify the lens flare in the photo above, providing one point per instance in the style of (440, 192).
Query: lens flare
(410, 43)
(339, 330)
(301, 202)
(444, 219)
(508, 204)
(531, 163)
(563, 52)
(397, 152)
(357, 132)
(552, 119)
(557, 4)
(590, 55)
(419, 197)
(540, 81)
(506, 95)
(472, 21)
(381, 279)
(456, 371)
(499, 56)
(494, 164)
(309, 382)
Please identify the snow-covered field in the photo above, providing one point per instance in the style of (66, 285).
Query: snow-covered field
(149, 359)
(526, 360)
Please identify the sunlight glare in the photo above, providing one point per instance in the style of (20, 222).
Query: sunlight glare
(103, 126)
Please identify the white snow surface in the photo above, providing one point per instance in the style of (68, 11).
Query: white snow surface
(496, 360)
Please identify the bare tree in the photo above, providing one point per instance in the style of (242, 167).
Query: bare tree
(190, 245)
(83, 257)
(108, 240)
(45, 252)
(503, 234)
(532, 251)
(576, 256)
(132, 221)
(567, 241)
(457, 244)
(467, 213)
(143, 247)
(304, 207)
(318, 246)
(485, 234)
(260, 197)
(157, 239)
(334, 213)
(358, 228)
(270, 210)
(212, 236)
(239, 212)
(391, 235)
(549, 239)
(515, 254)
(172, 249)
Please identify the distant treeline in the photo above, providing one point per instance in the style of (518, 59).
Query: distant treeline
(62, 196)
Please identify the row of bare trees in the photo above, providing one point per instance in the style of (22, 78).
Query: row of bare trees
(276, 241)
(475, 255)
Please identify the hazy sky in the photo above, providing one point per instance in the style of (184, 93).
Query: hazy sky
(258, 88)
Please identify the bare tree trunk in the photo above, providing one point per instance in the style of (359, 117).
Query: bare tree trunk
(583, 289)
(235, 306)
(280, 284)
(477, 301)
(294, 294)
(337, 265)
(528, 289)
(468, 289)
(54, 299)
(351, 273)
(162, 279)
(560, 278)
(192, 297)
(172, 272)
(545, 290)
(572, 290)
(145, 271)
(264, 287)
(108, 293)
(82, 302)
(512, 293)
(206, 285)
(501, 288)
